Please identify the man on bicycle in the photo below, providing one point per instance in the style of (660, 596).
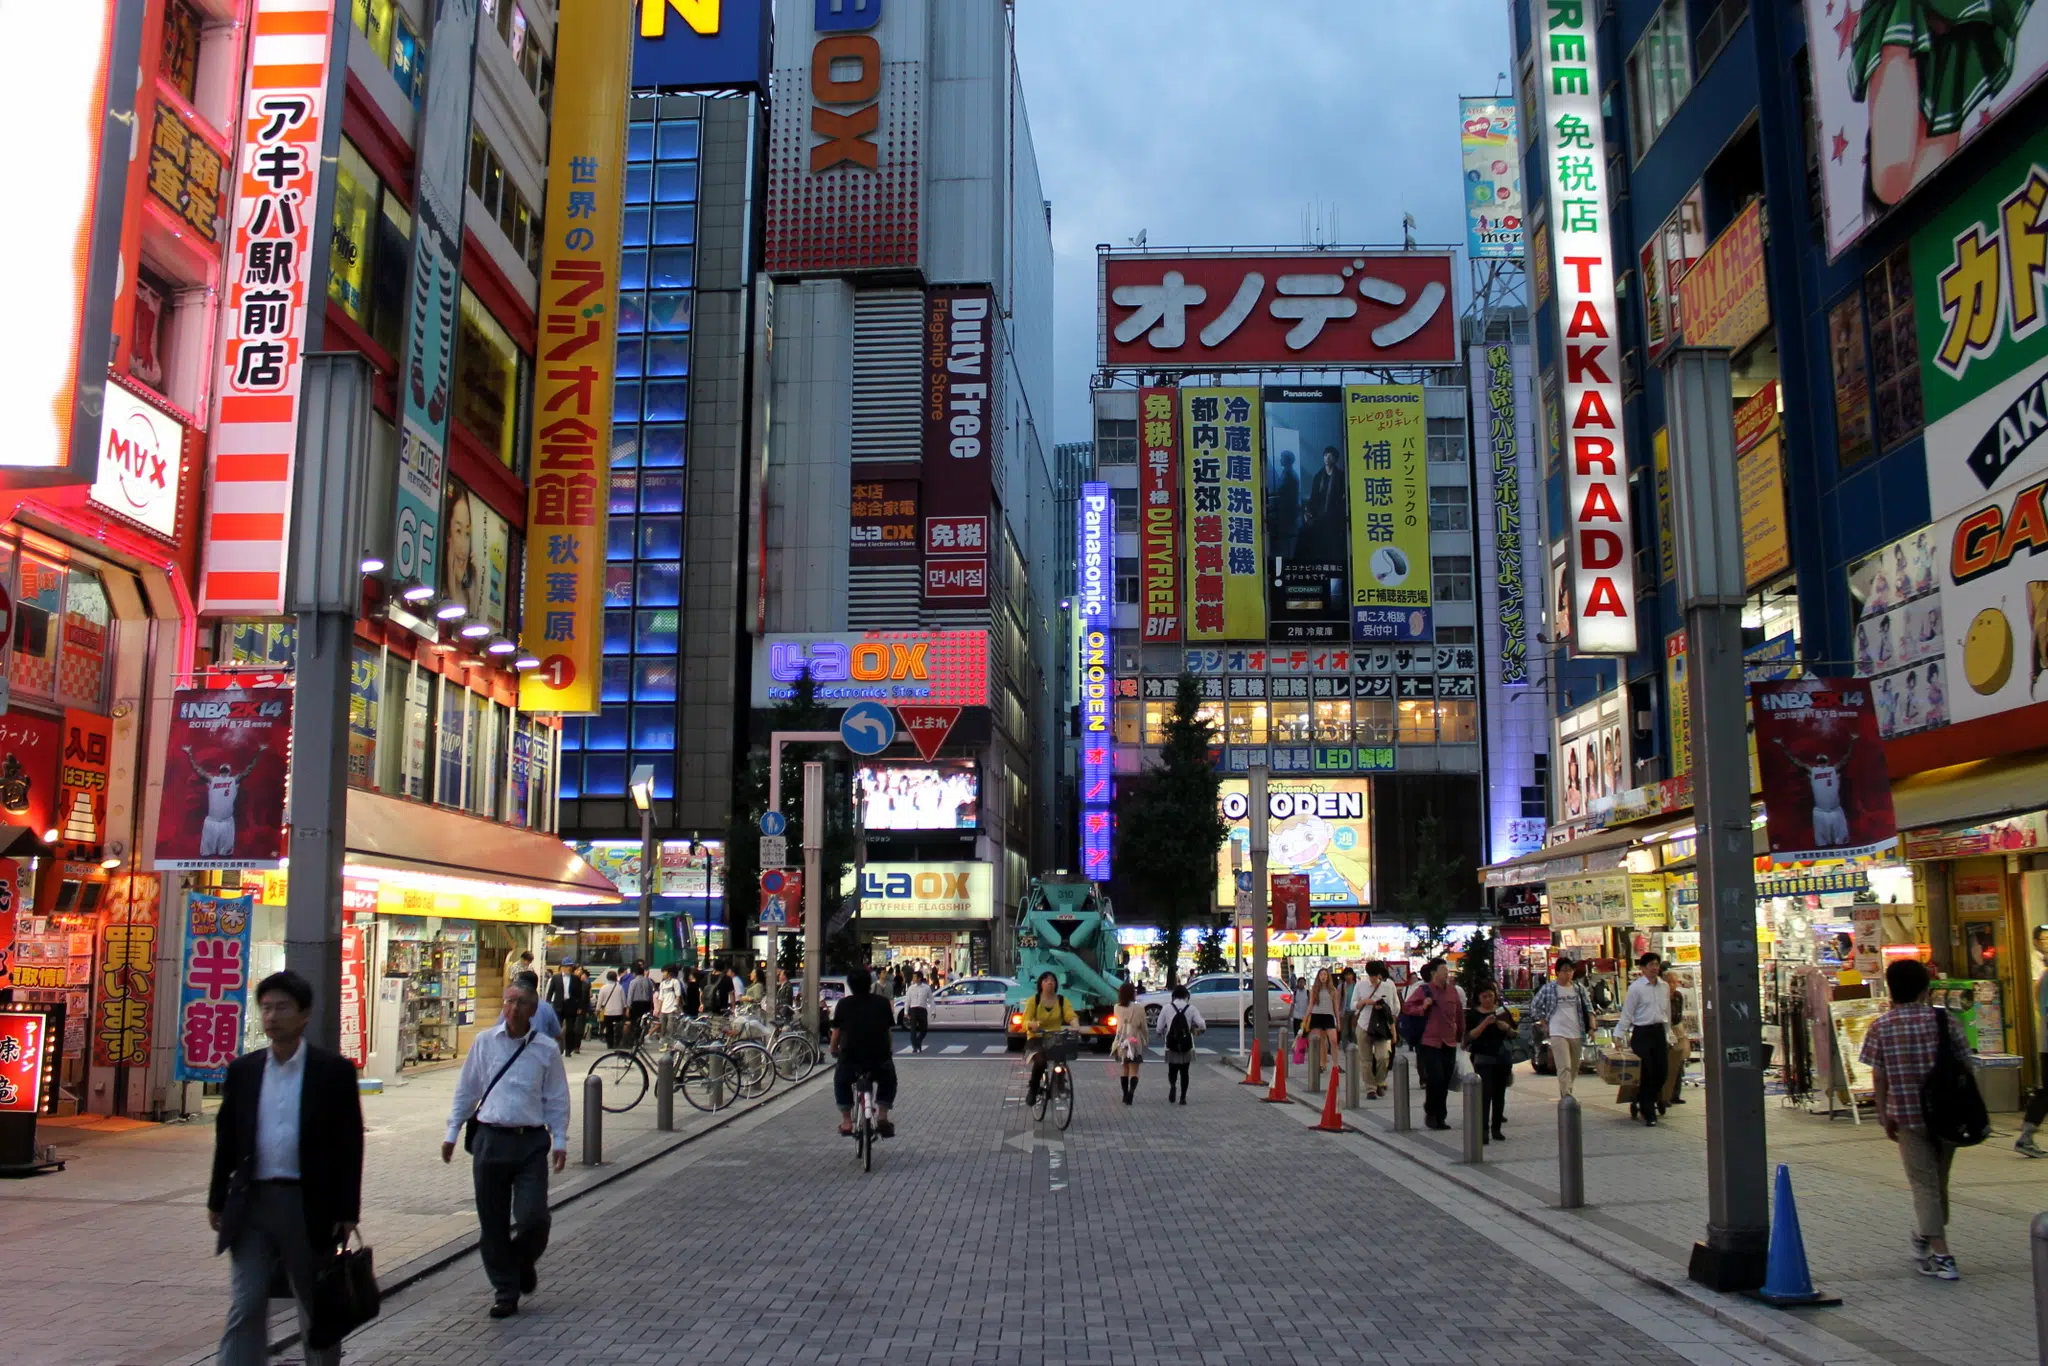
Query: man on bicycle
(861, 1041)
(1045, 1012)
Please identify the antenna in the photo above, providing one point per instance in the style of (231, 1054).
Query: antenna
(1139, 240)
(1498, 82)
(1407, 232)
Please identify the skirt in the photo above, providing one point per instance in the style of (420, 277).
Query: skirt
(1962, 49)
(1320, 1021)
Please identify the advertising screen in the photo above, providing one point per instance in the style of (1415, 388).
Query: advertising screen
(945, 795)
(1318, 828)
(1308, 522)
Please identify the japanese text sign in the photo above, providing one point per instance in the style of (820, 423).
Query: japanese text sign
(186, 170)
(224, 779)
(1826, 791)
(960, 349)
(1226, 583)
(1159, 512)
(1504, 594)
(427, 369)
(83, 766)
(1573, 140)
(572, 400)
(884, 522)
(1282, 310)
(24, 1042)
(263, 322)
(126, 990)
(214, 985)
(355, 1001)
(1493, 179)
(1722, 299)
(1390, 569)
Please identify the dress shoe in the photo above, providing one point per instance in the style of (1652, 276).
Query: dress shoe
(504, 1309)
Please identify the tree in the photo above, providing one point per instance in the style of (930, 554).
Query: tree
(1430, 901)
(1209, 952)
(1475, 969)
(1169, 828)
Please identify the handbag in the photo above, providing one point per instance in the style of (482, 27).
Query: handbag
(345, 1296)
(1300, 1050)
(469, 1125)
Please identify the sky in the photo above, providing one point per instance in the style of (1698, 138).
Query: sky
(1226, 122)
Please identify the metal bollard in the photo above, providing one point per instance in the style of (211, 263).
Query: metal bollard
(1315, 1063)
(593, 1120)
(1403, 1122)
(1571, 1164)
(665, 1093)
(1475, 1119)
(2040, 1243)
(1351, 1077)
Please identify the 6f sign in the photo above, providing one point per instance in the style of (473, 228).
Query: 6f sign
(846, 70)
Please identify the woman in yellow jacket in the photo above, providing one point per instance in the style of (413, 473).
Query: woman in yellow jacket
(1046, 1011)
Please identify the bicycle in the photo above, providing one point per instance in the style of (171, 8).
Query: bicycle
(866, 1120)
(1056, 1094)
(710, 1076)
(794, 1051)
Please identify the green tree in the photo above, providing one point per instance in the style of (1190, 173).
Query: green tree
(1169, 829)
(1209, 955)
(1430, 901)
(1475, 969)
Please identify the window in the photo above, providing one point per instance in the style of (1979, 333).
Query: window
(63, 627)
(1716, 27)
(1127, 579)
(1156, 715)
(178, 66)
(1417, 723)
(1129, 719)
(1333, 722)
(503, 200)
(1452, 576)
(1450, 508)
(489, 371)
(449, 770)
(364, 714)
(1247, 723)
(1209, 714)
(1895, 351)
(373, 21)
(1116, 441)
(1659, 75)
(1372, 722)
(1447, 440)
(1290, 723)
(370, 256)
(1457, 722)
(1457, 635)
(1126, 501)
(393, 43)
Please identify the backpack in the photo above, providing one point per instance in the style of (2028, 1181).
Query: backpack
(1949, 1099)
(1180, 1038)
(1412, 1028)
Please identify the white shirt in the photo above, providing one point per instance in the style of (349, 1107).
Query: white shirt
(918, 995)
(668, 997)
(1647, 1003)
(277, 1116)
(535, 1091)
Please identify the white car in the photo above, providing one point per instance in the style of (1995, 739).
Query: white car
(970, 1003)
(1221, 997)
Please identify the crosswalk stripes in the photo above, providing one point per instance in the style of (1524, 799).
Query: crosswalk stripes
(953, 1048)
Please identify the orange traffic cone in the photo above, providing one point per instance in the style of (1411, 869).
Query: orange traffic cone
(1278, 1094)
(1257, 1075)
(1330, 1123)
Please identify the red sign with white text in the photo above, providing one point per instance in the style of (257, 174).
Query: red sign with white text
(355, 1038)
(928, 726)
(10, 888)
(23, 1038)
(1159, 511)
(1277, 310)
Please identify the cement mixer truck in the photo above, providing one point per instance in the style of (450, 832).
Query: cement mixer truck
(1065, 927)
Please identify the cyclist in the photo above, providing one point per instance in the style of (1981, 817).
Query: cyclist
(861, 1041)
(1046, 1011)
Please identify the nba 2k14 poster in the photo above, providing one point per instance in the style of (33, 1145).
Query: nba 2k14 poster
(1826, 792)
(224, 779)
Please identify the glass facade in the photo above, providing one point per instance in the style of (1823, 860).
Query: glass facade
(650, 440)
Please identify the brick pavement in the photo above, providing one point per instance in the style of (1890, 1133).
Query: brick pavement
(1143, 1235)
(109, 1263)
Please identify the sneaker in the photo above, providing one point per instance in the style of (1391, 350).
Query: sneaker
(2026, 1147)
(1941, 1266)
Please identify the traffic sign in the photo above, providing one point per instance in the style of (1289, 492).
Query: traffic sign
(867, 728)
(774, 850)
(774, 913)
(928, 726)
(774, 823)
(777, 880)
(1244, 882)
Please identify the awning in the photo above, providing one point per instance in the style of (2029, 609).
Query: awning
(391, 834)
(1971, 793)
(1582, 855)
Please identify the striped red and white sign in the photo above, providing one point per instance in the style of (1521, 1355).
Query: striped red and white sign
(263, 326)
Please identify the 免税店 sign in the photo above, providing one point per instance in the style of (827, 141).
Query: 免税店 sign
(1602, 540)
(1159, 511)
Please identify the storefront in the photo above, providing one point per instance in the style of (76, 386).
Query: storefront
(936, 914)
(687, 917)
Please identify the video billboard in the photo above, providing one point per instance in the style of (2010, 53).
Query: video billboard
(1308, 523)
(942, 795)
(1318, 828)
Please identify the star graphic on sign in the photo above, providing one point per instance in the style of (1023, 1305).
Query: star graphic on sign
(1841, 144)
(1846, 28)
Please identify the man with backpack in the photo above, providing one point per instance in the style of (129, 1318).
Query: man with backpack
(1927, 1101)
(1179, 1023)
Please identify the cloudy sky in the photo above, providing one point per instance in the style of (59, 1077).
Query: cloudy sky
(1223, 122)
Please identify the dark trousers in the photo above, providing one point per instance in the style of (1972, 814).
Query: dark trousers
(1439, 1068)
(1176, 1077)
(272, 1237)
(1648, 1043)
(844, 1074)
(1493, 1095)
(611, 1030)
(920, 1023)
(572, 1031)
(510, 1171)
(2037, 1104)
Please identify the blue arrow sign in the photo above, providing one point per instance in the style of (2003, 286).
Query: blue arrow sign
(867, 728)
(774, 823)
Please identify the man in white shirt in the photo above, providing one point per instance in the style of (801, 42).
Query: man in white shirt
(1645, 1012)
(513, 1084)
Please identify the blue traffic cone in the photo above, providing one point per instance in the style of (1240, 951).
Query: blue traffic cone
(1786, 1279)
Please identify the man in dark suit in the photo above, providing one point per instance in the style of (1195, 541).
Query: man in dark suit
(287, 1168)
(569, 994)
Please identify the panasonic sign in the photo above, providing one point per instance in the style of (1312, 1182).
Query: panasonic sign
(1094, 556)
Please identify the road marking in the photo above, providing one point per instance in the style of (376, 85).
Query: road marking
(954, 1048)
(1056, 1166)
(996, 1048)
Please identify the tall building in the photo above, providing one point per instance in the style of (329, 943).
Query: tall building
(910, 543)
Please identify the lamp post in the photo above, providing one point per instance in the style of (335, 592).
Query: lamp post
(642, 788)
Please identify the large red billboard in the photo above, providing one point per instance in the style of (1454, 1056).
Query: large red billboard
(224, 779)
(960, 347)
(1276, 310)
(1826, 791)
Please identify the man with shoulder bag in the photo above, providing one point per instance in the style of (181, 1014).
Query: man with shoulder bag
(1562, 1007)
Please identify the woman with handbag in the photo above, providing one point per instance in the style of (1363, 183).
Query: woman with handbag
(1128, 1046)
(611, 1008)
(1378, 1003)
(1325, 1008)
(1489, 1024)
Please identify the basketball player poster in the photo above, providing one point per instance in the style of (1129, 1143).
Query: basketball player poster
(1826, 791)
(224, 778)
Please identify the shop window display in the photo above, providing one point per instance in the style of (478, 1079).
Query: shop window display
(488, 380)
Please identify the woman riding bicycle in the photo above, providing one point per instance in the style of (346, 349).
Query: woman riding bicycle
(1045, 1012)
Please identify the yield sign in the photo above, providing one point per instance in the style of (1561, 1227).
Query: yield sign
(928, 726)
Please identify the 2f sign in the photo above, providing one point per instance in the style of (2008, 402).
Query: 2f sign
(846, 70)
(702, 16)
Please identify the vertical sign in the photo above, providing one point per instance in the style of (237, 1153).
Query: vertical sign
(1159, 512)
(355, 1034)
(1093, 580)
(1826, 792)
(425, 374)
(263, 324)
(1595, 455)
(1504, 443)
(81, 814)
(959, 429)
(1097, 612)
(1290, 902)
(10, 890)
(1493, 179)
(1678, 702)
(214, 986)
(1308, 514)
(572, 391)
(1226, 588)
(1388, 437)
(126, 990)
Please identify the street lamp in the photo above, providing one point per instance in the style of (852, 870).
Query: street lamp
(642, 788)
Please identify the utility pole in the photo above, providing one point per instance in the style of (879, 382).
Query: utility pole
(1262, 1024)
(814, 842)
(1712, 587)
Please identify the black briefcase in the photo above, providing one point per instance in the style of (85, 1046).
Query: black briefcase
(345, 1296)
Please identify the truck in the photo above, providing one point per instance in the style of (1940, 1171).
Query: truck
(1065, 927)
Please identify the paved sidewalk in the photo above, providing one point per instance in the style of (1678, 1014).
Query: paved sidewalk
(1646, 1205)
(110, 1262)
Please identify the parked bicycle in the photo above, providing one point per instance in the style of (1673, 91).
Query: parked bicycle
(710, 1075)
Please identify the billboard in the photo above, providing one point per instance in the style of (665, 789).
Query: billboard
(941, 795)
(1595, 453)
(567, 503)
(1826, 791)
(1493, 178)
(142, 461)
(703, 44)
(1276, 310)
(1899, 88)
(926, 891)
(1226, 580)
(1308, 514)
(224, 780)
(1591, 759)
(1722, 297)
(960, 347)
(884, 523)
(1496, 411)
(1098, 753)
(1159, 512)
(213, 989)
(1317, 828)
(1901, 644)
(948, 668)
(1387, 436)
(1095, 555)
(270, 268)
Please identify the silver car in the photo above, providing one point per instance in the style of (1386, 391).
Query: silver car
(1222, 998)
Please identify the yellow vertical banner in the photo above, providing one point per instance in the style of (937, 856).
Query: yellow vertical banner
(1226, 580)
(1388, 440)
(568, 493)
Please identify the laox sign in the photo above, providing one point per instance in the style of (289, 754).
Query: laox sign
(834, 662)
(846, 69)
